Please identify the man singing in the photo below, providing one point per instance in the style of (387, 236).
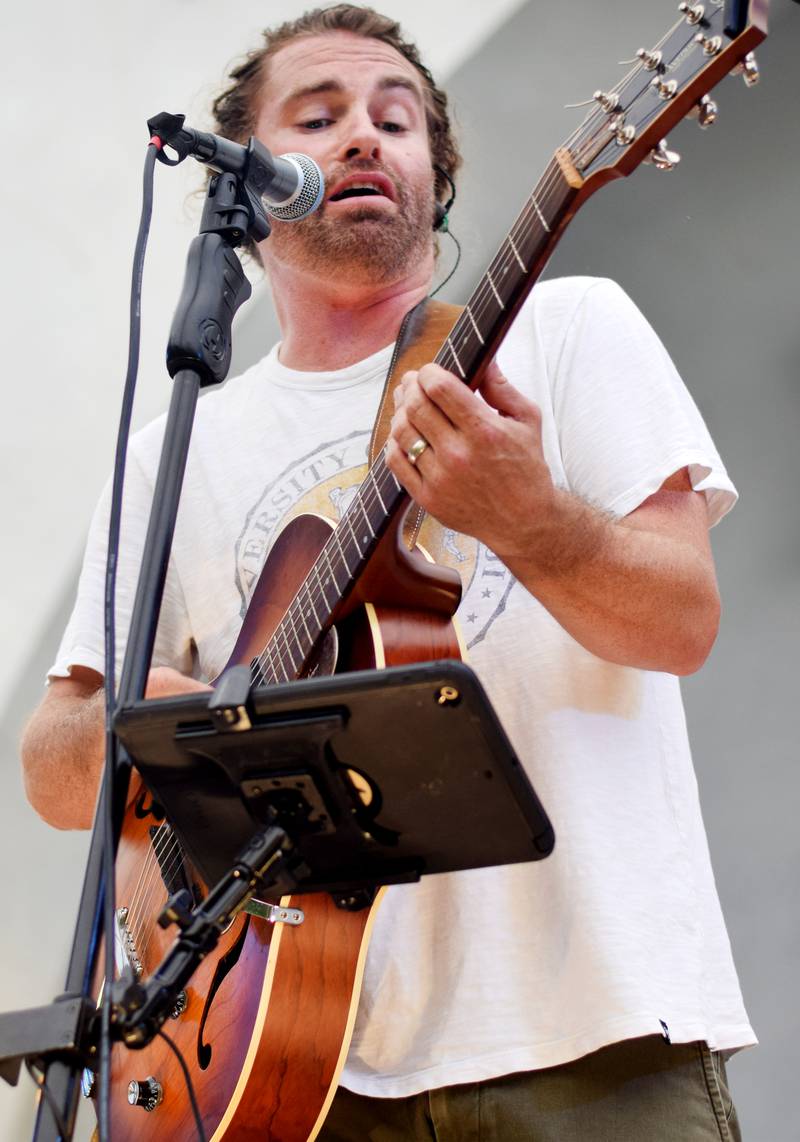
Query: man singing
(591, 996)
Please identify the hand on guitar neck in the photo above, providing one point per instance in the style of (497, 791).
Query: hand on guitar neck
(63, 745)
(638, 590)
(484, 459)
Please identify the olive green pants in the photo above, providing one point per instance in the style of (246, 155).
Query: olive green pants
(641, 1090)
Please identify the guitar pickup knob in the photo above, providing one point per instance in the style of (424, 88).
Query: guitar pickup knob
(662, 158)
(181, 1003)
(146, 1093)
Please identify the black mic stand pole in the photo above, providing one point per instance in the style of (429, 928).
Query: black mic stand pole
(198, 354)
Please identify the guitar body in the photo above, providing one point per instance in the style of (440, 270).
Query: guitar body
(269, 1014)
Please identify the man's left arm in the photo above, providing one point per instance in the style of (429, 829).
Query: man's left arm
(639, 590)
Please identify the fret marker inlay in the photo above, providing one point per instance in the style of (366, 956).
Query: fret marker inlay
(475, 325)
(455, 358)
(538, 211)
(522, 265)
(494, 290)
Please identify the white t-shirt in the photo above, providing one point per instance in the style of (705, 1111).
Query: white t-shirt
(619, 933)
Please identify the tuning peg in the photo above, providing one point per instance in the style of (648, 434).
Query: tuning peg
(693, 12)
(666, 88)
(650, 60)
(608, 100)
(712, 45)
(662, 158)
(624, 133)
(748, 69)
(705, 112)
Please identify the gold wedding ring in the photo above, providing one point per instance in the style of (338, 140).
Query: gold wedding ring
(416, 450)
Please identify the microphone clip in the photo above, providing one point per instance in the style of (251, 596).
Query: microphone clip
(169, 129)
(233, 206)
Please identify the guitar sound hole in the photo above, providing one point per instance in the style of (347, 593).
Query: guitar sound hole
(225, 965)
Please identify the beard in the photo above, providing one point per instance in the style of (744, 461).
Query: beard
(366, 244)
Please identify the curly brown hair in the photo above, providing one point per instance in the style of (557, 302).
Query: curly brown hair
(235, 109)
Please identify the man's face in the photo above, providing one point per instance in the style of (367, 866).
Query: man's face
(355, 105)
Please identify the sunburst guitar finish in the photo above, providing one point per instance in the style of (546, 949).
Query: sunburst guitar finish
(266, 1021)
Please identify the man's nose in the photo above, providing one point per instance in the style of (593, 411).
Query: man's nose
(362, 140)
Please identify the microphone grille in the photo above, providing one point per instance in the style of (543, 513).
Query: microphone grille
(308, 195)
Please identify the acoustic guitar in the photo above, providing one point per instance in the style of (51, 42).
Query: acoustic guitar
(265, 1024)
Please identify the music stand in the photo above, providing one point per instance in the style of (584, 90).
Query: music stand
(338, 785)
(377, 777)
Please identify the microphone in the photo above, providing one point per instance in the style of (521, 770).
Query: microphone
(290, 186)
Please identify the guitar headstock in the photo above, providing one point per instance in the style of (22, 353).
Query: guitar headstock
(669, 82)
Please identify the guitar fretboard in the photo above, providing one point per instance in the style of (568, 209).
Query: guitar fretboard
(473, 338)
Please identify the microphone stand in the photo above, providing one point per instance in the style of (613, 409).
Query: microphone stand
(64, 1036)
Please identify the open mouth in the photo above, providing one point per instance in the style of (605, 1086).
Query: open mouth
(366, 184)
(357, 192)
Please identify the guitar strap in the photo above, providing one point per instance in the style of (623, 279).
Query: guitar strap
(420, 338)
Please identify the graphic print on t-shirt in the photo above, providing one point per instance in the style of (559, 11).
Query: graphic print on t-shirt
(325, 482)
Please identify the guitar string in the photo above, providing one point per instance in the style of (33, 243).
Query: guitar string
(372, 497)
(476, 308)
(138, 887)
(285, 638)
(313, 599)
(645, 120)
(159, 858)
(457, 339)
(286, 642)
(160, 893)
(141, 920)
(150, 862)
(140, 917)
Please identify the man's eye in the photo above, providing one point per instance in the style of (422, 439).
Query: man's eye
(392, 128)
(315, 124)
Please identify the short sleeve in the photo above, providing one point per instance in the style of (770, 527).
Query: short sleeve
(83, 641)
(625, 419)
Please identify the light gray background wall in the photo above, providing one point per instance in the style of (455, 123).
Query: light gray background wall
(710, 252)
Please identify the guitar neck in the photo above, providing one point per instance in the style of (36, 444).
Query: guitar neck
(625, 128)
(471, 343)
(518, 263)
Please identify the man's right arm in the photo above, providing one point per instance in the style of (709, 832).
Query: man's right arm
(63, 745)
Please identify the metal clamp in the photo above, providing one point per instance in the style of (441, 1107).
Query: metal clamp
(274, 913)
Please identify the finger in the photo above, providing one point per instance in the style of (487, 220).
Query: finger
(500, 394)
(400, 389)
(450, 395)
(422, 416)
(407, 436)
(406, 472)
